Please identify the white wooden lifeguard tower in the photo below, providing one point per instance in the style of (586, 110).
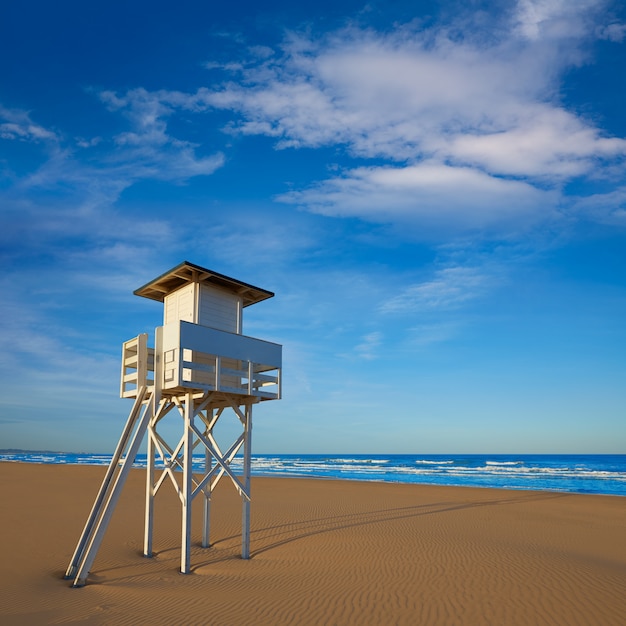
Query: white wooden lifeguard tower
(200, 368)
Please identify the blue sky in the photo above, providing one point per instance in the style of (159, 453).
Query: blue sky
(435, 191)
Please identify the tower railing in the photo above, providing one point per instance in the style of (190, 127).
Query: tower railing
(204, 359)
(137, 366)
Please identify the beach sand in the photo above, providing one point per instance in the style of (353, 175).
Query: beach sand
(323, 553)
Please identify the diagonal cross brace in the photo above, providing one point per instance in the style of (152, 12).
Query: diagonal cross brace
(223, 462)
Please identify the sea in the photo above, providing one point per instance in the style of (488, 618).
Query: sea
(583, 473)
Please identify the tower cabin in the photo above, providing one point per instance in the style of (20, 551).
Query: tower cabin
(201, 345)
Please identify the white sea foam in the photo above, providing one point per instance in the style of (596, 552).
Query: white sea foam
(424, 462)
(504, 463)
(595, 475)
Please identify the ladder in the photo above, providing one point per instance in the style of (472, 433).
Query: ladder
(138, 420)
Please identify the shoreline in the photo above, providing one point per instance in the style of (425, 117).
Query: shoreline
(323, 551)
(347, 479)
(584, 474)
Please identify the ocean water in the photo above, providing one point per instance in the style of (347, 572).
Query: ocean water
(599, 474)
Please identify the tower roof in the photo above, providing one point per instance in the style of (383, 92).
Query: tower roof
(187, 272)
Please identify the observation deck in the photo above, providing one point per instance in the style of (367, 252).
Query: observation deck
(191, 357)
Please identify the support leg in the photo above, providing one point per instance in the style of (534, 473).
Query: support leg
(99, 529)
(247, 449)
(185, 557)
(106, 487)
(206, 527)
(149, 519)
(150, 482)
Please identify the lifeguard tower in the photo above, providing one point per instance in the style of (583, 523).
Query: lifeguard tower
(201, 368)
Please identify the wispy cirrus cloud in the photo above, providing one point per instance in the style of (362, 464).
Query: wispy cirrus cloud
(18, 125)
(427, 334)
(153, 151)
(369, 346)
(71, 195)
(449, 289)
(100, 167)
(606, 208)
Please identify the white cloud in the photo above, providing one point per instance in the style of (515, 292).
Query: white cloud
(250, 241)
(549, 143)
(412, 94)
(475, 125)
(434, 333)
(368, 347)
(148, 147)
(471, 129)
(16, 124)
(605, 208)
(71, 196)
(467, 132)
(432, 196)
(564, 19)
(87, 143)
(553, 18)
(613, 32)
(450, 288)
